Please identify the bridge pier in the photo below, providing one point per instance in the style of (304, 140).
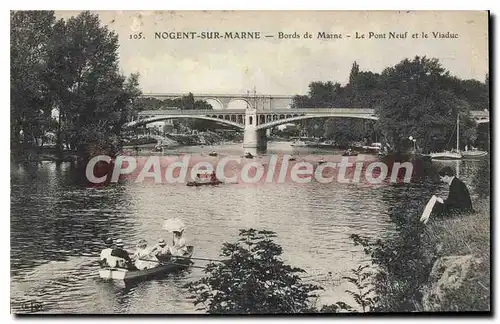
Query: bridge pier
(254, 140)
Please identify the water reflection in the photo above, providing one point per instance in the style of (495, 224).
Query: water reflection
(57, 226)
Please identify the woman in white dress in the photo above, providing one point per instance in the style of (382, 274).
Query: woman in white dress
(142, 256)
(179, 247)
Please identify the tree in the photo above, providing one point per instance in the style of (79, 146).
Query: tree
(346, 131)
(417, 103)
(416, 97)
(354, 72)
(252, 280)
(92, 97)
(31, 101)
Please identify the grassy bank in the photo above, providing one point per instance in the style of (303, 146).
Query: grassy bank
(460, 236)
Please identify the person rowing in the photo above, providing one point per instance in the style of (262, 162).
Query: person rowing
(161, 251)
(123, 259)
(105, 257)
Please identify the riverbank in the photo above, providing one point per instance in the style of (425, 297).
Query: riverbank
(460, 275)
(174, 140)
(32, 155)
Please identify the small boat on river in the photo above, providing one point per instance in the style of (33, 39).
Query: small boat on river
(212, 154)
(373, 148)
(446, 155)
(208, 183)
(350, 153)
(474, 153)
(175, 264)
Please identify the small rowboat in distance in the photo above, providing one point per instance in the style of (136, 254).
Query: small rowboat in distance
(209, 183)
(473, 154)
(175, 264)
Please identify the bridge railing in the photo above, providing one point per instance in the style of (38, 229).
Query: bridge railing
(188, 112)
(242, 111)
(363, 111)
(330, 110)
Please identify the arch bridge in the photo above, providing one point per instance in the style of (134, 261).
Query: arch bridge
(255, 122)
(260, 101)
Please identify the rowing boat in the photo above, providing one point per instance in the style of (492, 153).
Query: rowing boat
(173, 265)
(473, 154)
(197, 184)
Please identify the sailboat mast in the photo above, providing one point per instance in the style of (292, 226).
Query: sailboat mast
(458, 133)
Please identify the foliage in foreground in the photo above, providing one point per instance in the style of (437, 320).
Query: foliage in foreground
(252, 280)
(468, 235)
(404, 262)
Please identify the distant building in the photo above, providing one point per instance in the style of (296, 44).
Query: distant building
(164, 126)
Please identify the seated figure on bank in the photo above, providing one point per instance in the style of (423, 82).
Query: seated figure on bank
(458, 201)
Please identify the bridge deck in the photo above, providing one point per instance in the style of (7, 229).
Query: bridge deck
(312, 111)
(274, 112)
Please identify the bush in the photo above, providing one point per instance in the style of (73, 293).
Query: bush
(253, 280)
(466, 235)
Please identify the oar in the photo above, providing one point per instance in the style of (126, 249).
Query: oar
(202, 259)
(150, 260)
(179, 264)
(183, 257)
(188, 265)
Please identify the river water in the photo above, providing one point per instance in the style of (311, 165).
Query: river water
(58, 222)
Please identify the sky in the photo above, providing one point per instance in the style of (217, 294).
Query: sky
(287, 66)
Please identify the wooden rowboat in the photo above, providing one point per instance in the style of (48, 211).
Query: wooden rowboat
(473, 154)
(197, 184)
(175, 264)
